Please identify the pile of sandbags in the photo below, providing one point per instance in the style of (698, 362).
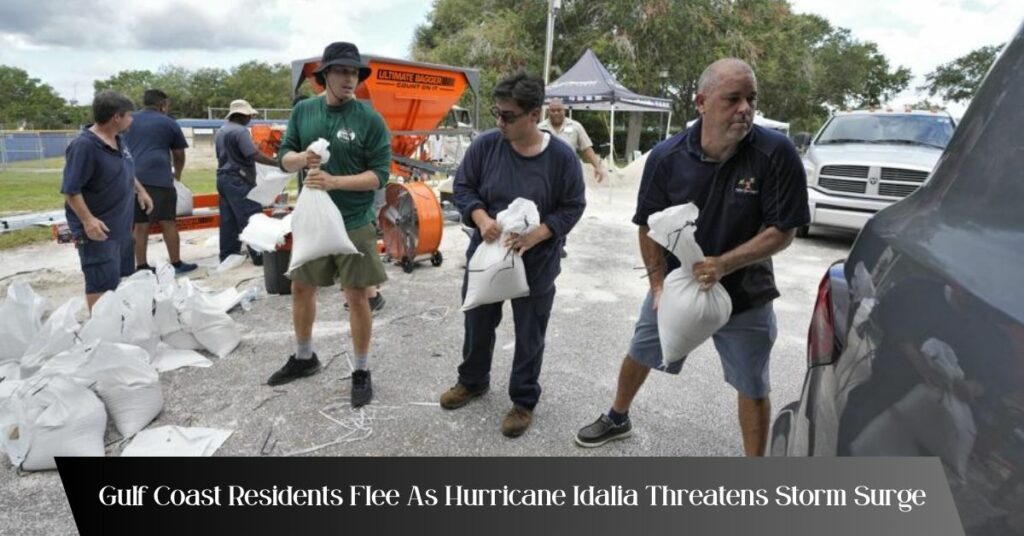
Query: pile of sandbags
(59, 380)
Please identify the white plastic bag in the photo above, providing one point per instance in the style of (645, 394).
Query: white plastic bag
(21, 318)
(210, 326)
(687, 315)
(169, 358)
(136, 295)
(128, 385)
(318, 229)
(270, 182)
(494, 272)
(184, 204)
(57, 335)
(51, 416)
(176, 441)
(104, 322)
(264, 233)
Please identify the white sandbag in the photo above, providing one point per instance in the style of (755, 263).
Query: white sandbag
(494, 272)
(21, 318)
(182, 340)
(128, 385)
(318, 229)
(136, 295)
(213, 328)
(170, 358)
(270, 182)
(104, 322)
(176, 441)
(10, 378)
(184, 203)
(67, 362)
(264, 233)
(57, 335)
(687, 315)
(51, 416)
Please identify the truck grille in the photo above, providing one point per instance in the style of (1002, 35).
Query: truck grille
(896, 190)
(842, 185)
(855, 172)
(908, 175)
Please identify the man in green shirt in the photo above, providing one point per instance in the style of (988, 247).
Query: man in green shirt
(360, 148)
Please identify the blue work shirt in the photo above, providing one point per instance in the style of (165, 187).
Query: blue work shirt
(762, 185)
(150, 139)
(492, 175)
(105, 177)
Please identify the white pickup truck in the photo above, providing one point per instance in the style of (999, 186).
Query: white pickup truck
(863, 161)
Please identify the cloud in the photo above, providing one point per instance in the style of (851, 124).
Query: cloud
(113, 25)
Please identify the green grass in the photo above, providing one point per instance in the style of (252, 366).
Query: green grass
(24, 190)
(24, 237)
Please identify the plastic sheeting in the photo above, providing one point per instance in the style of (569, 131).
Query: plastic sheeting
(176, 441)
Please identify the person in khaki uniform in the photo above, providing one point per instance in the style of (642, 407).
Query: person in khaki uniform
(360, 147)
(572, 133)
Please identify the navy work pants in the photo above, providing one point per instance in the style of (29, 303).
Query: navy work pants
(531, 315)
(235, 211)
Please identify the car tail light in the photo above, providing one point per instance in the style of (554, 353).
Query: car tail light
(821, 345)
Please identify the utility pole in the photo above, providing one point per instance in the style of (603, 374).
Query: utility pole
(553, 7)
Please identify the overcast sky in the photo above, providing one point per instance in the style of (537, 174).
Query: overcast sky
(70, 43)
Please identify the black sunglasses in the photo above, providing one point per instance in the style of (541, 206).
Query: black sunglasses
(505, 115)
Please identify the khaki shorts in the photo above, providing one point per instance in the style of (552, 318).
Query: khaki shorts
(351, 271)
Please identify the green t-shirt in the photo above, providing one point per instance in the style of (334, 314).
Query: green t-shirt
(359, 141)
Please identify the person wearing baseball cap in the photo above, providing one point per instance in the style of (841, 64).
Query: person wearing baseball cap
(359, 165)
(236, 176)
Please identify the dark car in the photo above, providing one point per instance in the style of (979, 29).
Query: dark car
(916, 344)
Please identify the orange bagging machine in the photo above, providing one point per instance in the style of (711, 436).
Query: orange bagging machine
(413, 98)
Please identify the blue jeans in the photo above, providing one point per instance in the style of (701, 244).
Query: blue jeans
(235, 211)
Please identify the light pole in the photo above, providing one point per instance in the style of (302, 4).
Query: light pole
(663, 79)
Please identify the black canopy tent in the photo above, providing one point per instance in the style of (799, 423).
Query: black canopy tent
(589, 86)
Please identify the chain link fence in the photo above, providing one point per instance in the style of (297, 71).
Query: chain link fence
(25, 148)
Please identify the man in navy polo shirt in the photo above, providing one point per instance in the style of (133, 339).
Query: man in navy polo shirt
(100, 189)
(154, 141)
(750, 187)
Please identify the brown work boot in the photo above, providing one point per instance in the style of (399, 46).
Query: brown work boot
(459, 396)
(516, 421)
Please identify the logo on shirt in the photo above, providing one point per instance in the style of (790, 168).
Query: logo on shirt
(346, 135)
(747, 186)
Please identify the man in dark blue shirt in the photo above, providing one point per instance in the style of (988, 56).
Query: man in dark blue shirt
(750, 187)
(516, 160)
(100, 188)
(154, 141)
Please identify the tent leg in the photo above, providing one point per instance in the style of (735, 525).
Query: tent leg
(668, 124)
(611, 136)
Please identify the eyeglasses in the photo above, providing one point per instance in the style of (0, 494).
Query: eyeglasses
(507, 116)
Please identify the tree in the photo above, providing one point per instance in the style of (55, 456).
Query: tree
(959, 79)
(804, 65)
(29, 103)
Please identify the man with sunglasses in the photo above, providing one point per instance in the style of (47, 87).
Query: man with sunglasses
(515, 160)
(359, 165)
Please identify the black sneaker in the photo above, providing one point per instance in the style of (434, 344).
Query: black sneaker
(376, 303)
(295, 369)
(184, 268)
(602, 431)
(362, 388)
(142, 267)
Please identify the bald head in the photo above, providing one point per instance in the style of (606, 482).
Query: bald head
(713, 75)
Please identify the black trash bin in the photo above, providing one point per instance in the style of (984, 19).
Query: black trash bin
(275, 264)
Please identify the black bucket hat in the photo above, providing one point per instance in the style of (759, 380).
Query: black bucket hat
(344, 54)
